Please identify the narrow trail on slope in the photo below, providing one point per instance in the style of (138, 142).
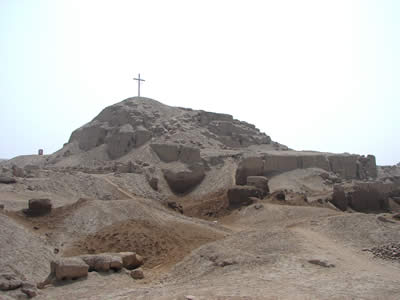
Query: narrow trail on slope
(119, 189)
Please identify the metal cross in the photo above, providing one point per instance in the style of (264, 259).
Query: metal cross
(139, 80)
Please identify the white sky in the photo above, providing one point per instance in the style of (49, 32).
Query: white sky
(314, 75)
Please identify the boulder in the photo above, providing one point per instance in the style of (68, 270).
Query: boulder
(7, 180)
(183, 181)
(166, 152)
(130, 260)
(69, 268)
(260, 182)
(137, 274)
(250, 166)
(38, 207)
(102, 262)
(29, 289)
(9, 281)
(241, 195)
(339, 198)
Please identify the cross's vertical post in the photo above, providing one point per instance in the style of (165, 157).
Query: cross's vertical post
(138, 80)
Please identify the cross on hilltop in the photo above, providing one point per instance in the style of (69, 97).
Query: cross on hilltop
(138, 80)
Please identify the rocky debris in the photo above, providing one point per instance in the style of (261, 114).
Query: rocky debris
(7, 180)
(175, 206)
(130, 260)
(321, 263)
(137, 273)
(79, 266)
(260, 182)
(38, 207)
(389, 251)
(102, 262)
(173, 152)
(397, 216)
(69, 268)
(1, 206)
(181, 182)
(230, 132)
(9, 281)
(241, 195)
(29, 289)
(339, 198)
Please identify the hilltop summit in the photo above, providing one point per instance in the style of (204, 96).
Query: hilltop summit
(129, 124)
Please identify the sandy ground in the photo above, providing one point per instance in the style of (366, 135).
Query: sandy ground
(258, 252)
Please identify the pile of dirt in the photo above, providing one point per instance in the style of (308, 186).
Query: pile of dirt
(158, 244)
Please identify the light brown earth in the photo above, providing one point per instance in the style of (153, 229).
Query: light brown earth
(248, 253)
(211, 251)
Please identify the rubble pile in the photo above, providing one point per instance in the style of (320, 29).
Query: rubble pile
(389, 251)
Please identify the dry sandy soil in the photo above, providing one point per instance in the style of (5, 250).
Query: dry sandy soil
(298, 248)
(258, 252)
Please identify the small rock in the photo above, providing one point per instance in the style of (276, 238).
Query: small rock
(29, 289)
(321, 263)
(130, 260)
(9, 281)
(36, 227)
(383, 219)
(258, 206)
(1, 206)
(7, 180)
(137, 274)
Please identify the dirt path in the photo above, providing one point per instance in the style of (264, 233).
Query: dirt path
(120, 190)
(348, 258)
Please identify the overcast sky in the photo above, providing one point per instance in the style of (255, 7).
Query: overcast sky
(314, 75)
